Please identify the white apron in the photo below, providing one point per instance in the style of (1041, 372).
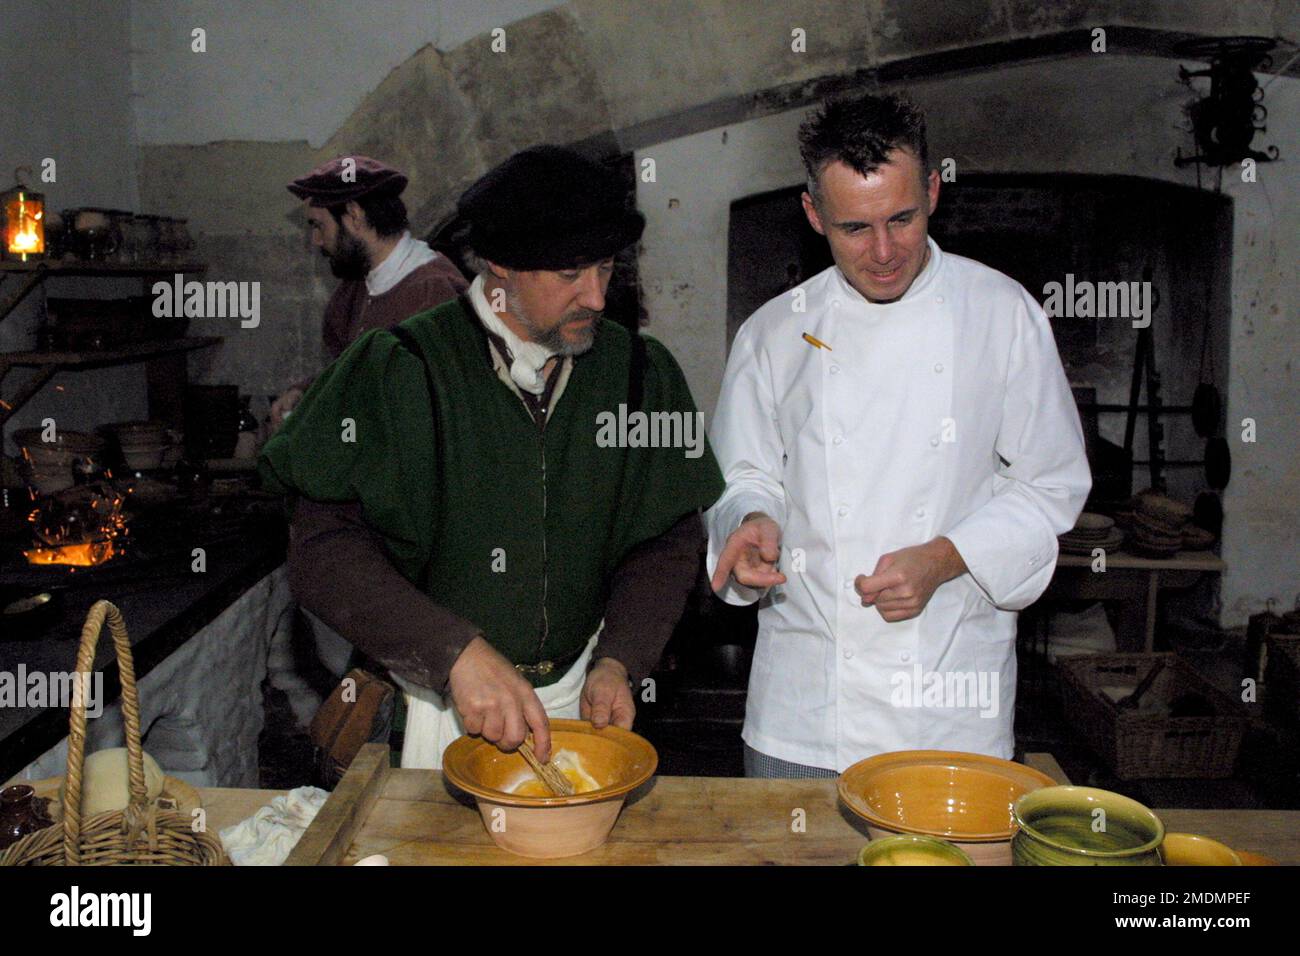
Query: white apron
(432, 722)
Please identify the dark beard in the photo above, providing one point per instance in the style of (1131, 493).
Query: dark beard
(350, 260)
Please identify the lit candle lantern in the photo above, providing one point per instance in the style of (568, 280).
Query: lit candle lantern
(24, 222)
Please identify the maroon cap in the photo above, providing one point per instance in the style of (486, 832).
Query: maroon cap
(347, 178)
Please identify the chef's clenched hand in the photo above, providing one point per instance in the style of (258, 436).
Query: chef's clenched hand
(905, 580)
(606, 696)
(750, 554)
(496, 702)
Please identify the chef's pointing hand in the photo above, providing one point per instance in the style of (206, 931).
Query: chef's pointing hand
(905, 580)
(495, 701)
(750, 554)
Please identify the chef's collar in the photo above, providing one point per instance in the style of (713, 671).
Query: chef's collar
(403, 259)
(527, 359)
(920, 286)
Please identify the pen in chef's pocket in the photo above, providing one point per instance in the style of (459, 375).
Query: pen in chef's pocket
(817, 342)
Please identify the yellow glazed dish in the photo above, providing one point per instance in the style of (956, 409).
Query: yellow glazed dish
(1188, 849)
(547, 827)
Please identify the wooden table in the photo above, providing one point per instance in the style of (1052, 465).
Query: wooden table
(414, 819)
(1134, 580)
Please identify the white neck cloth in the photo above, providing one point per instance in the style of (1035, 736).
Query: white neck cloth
(527, 359)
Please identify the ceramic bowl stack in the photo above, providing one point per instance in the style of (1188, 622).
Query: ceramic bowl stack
(1091, 531)
(1197, 539)
(47, 466)
(1158, 526)
(962, 798)
(143, 444)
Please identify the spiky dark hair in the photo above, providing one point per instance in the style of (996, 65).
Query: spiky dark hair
(861, 132)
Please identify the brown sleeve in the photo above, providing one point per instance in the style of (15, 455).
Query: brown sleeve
(338, 570)
(648, 595)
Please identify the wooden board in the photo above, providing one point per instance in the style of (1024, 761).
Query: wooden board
(351, 803)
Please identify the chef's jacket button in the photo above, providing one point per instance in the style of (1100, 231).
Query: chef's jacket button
(1033, 560)
(904, 657)
(934, 443)
(848, 653)
(938, 298)
(920, 512)
(837, 440)
(848, 585)
(843, 511)
(938, 366)
(835, 303)
(835, 369)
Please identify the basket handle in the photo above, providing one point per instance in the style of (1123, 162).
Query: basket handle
(101, 612)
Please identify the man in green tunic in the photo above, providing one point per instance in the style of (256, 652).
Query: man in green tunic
(499, 499)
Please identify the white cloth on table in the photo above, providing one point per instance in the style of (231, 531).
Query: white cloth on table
(943, 413)
(269, 835)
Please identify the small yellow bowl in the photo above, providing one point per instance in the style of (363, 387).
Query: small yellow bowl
(910, 849)
(1188, 849)
(550, 827)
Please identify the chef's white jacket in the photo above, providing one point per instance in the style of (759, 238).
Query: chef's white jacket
(947, 413)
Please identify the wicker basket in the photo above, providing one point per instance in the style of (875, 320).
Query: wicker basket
(1138, 746)
(139, 834)
(1282, 680)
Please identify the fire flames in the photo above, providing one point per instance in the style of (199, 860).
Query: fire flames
(81, 528)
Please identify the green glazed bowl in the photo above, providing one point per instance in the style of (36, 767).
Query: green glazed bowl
(1062, 826)
(912, 849)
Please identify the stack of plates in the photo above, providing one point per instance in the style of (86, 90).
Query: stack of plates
(143, 444)
(1158, 525)
(47, 466)
(1091, 531)
(1197, 539)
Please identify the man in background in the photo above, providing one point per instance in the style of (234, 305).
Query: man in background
(359, 223)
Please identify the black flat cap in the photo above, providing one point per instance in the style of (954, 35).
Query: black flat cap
(549, 208)
(346, 178)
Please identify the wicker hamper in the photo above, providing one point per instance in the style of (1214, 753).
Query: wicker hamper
(140, 834)
(1138, 746)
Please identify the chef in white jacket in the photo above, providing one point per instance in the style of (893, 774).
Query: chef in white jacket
(901, 449)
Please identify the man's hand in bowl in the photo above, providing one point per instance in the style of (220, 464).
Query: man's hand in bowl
(496, 702)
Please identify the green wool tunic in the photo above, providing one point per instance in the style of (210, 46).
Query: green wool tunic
(514, 527)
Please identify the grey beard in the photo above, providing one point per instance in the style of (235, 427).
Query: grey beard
(553, 339)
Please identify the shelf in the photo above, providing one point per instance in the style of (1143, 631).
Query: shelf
(81, 267)
(165, 400)
(96, 358)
